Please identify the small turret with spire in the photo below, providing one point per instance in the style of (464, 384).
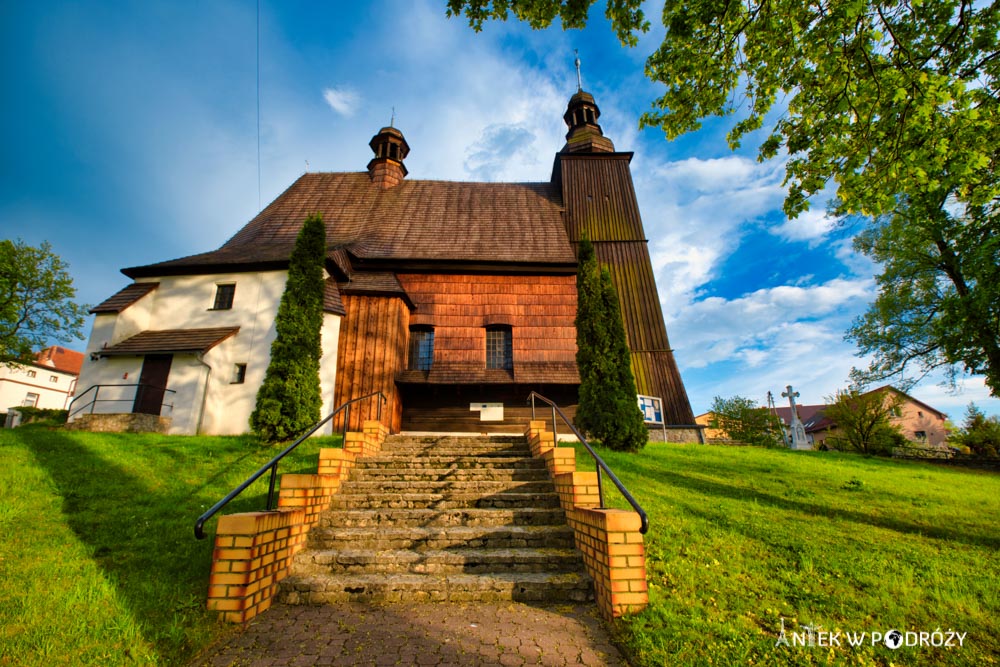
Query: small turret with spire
(585, 135)
(386, 169)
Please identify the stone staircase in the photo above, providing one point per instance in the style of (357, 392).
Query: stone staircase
(442, 518)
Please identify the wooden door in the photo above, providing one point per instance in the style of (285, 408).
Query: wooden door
(152, 383)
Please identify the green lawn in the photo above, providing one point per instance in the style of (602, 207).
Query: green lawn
(742, 538)
(98, 564)
(98, 561)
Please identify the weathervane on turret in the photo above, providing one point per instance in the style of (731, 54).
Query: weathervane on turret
(579, 81)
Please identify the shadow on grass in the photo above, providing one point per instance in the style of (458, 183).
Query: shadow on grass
(743, 494)
(141, 537)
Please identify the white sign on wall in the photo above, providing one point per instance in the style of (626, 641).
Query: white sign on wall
(488, 412)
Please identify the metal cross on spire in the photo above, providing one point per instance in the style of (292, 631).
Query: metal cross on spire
(579, 81)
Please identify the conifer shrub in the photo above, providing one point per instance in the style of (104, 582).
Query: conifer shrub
(289, 400)
(608, 409)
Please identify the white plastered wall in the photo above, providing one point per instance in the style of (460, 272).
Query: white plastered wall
(206, 399)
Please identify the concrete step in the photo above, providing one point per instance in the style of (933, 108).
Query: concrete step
(457, 487)
(420, 452)
(517, 586)
(436, 561)
(523, 516)
(442, 501)
(463, 462)
(442, 537)
(450, 474)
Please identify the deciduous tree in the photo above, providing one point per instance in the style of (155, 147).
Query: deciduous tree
(289, 400)
(864, 420)
(36, 300)
(742, 420)
(894, 102)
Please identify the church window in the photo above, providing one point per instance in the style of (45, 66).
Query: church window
(30, 400)
(421, 349)
(239, 374)
(54, 378)
(499, 348)
(32, 374)
(224, 296)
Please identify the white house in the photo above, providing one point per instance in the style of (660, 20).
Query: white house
(192, 347)
(47, 382)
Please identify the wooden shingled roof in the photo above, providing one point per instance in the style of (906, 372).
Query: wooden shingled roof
(416, 221)
(124, 298)
(170, 341)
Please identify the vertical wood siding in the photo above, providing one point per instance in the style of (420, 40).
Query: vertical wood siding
(373, 338)
(600, 200)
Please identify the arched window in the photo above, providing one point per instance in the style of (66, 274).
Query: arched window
(499, 348)
(421, 348)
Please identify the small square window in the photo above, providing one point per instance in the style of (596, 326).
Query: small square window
(53, 378)
(32, 374)
(239, 374)
(224, 296)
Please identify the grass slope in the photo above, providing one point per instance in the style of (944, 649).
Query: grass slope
(742, 539)
(98, 558)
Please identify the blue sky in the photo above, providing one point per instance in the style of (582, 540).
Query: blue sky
(129, 135)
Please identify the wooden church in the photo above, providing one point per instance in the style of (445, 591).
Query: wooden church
(454, 299)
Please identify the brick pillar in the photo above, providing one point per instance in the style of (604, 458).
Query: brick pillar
(253, 552)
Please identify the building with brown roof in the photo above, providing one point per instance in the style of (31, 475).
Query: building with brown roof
(443, 295)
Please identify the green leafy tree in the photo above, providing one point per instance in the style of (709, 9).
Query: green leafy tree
(938, 304)
(981, 434)
(289, 400)
(864, 421)
(742, 420)
(36, 300)
(608, 407)
(895, 103)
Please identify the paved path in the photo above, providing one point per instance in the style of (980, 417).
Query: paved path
(503, 634)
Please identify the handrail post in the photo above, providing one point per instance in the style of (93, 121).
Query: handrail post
(555, 431)
(270, 487)
(532, 406)
(94, 402)
(347, 419)
(600, 487)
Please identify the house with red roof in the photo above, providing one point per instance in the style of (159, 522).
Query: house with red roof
(453, 299)
(48, 381)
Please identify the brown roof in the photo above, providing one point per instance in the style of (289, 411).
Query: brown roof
(60, 359)
(375, 283)
(331, 298)
(168, 341)
(124, 298)
(416, 221)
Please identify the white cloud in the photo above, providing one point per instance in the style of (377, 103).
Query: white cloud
(812, 226)
(343, 100)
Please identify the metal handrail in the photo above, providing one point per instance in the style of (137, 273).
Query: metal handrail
(97, 392)
(272, 465)
(601, 465)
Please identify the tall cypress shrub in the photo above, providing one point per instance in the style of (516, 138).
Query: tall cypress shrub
(289, 400)
(608, 409)
(624, 428)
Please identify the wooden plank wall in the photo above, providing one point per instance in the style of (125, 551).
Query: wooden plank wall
(373, 339)
(600, 200)
(445, 408)
(539, 309)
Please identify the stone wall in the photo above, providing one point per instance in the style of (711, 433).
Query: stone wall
(121, 423)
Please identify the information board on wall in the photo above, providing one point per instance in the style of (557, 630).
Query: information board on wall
(488, 412)
(652, 412)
